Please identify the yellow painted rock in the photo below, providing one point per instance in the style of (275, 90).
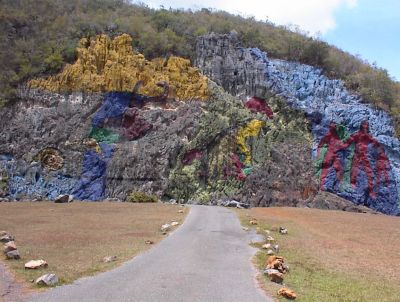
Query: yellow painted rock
(112, 65)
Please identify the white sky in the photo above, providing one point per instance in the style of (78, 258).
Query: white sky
(314, 16)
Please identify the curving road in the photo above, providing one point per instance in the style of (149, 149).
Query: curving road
(207, 259)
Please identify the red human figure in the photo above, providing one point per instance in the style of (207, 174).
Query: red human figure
(256, 104)
(236, 169)
(382, 167)
(331, 159)
(362, 139)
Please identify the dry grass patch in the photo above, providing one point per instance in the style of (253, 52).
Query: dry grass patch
(74, 238)
(335, 256)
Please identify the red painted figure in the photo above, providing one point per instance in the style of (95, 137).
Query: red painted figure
(382, 167)
(362, 139)
(335, 144)
(236, 170)
(256, 104)
(190, 156)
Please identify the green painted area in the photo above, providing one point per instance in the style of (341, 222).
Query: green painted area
(104, 135)
(342, 132)
(320, 159)
(343, 135)
(223, 116)
(247, 171)
(348, 165)
(3, 181)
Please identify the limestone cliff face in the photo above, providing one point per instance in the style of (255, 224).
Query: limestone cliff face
(206, 143)
(80, 165)
(354, 145)
(112, 65)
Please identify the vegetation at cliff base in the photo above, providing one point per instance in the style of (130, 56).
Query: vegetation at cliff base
(38, 37)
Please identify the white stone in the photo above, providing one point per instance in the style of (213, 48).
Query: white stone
(34, 264)
(48, 280)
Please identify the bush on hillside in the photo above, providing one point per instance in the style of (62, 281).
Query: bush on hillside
(141, 197)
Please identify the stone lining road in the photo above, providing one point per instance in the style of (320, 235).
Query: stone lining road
(207, 259)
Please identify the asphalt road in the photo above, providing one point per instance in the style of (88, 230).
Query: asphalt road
(207, 259)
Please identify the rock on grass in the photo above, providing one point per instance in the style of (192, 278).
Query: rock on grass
(47, 280)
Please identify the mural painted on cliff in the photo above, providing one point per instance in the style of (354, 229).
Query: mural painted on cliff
(355, 164)
(109, 66)
(241, 163)
(116, 120)
(373, 152)
(373, 169)
(363, 167)
(32, 181)
(104, 64)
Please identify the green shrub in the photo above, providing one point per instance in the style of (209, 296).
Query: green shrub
(3, 181)
(141, 197)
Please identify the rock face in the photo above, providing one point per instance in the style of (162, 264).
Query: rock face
(208, 146)
(354, 145)
(94, 167)
(43, 120)
(106, 64)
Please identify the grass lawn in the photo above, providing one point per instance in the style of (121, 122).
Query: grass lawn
(74, 238)
(333, 256)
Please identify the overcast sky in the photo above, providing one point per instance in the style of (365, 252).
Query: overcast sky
(370, 28)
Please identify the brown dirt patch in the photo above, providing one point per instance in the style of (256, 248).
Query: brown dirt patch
(74, 238)
(362, 245)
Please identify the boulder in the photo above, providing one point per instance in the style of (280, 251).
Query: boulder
(35, 264)
(235, 204)
(278, 263)
(270, 270)
(174, 223)
(47, 280)
(9, 246)
(64, 199)
(287, 293)
(6, 238)
(283, 230)
(266, 246)
(108, 259)
(165, 227)
(275, 276)
(13, 255)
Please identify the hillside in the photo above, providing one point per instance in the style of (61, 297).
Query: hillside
(248, 127)
(38, 37)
